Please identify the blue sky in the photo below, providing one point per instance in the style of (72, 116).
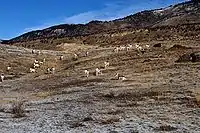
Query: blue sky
(20, 16)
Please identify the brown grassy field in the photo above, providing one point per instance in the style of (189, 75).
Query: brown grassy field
(159, 94)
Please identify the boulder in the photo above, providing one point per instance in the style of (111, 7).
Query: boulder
(158, 45)
(195, 57)
(190, 57)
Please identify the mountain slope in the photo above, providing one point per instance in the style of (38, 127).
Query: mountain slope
(183, 13)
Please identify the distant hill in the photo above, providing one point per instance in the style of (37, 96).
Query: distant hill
(183, 13)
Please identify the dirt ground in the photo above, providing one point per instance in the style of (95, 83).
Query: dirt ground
(159, 95)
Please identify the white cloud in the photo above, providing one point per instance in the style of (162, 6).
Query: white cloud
(110, 12)
(118, 9)
(35, 28)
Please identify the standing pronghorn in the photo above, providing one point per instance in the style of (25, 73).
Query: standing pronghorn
(2, 77)
(87, 73)
(120, 77)
(61, 57)
(8, 68)
(98, 71)
(75, 56)
(106, 64)
(87, 53)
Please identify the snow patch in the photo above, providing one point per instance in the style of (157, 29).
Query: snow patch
(159, 11)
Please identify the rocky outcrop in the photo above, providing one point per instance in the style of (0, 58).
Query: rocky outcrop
(195, 57)
(190, 57)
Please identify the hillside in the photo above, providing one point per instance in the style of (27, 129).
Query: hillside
(180, 14)
(161, 92)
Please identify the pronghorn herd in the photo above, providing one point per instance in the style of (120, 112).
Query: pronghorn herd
(98, 71)
(128, 47)
(36, 65)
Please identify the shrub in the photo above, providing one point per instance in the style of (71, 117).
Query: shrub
(18, 109)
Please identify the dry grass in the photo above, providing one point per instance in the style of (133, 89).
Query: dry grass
(72, 47)
(78, 82)
(133, 96)
(2, 109)
(76, 124)
(88, 119)
(198, 99)
(114, 112)
(197, 96)
(166, 128)
(129, 104)
(110, 120)
(44, 94)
